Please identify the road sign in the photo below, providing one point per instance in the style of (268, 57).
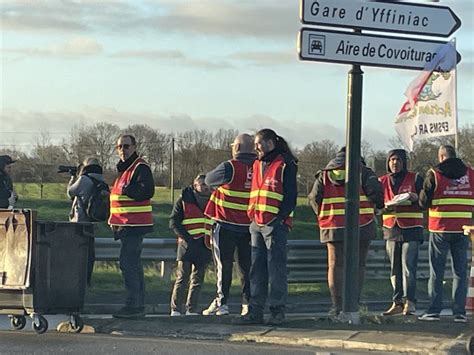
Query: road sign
(420, 19)
(366, 49)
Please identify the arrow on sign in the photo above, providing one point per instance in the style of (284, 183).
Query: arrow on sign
(366, 49)
(420, 19)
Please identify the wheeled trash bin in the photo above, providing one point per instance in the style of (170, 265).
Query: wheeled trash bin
(43, 268)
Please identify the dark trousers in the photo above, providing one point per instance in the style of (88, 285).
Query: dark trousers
(132, 268)
(186, 270)
(440, 245)
(268, 275)
(403, 264)
(336, 269)
(226, 245)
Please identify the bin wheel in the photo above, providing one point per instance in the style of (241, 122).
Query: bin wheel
(18, 322)
(76, 323)
(42, 325)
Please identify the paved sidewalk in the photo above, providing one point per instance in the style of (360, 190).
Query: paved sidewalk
(395, 334)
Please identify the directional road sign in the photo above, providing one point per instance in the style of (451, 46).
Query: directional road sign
(420, 19)
(366, 49)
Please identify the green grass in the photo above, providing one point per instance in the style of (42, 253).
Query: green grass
(55, 206)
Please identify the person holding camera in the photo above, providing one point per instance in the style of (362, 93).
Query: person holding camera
(81, 187)
(8, 196)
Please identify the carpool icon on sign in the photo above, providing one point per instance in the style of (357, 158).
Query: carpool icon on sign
(316, 44)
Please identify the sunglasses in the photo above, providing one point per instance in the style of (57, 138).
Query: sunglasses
(123, 146)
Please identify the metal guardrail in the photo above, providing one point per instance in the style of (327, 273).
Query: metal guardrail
(307, 259)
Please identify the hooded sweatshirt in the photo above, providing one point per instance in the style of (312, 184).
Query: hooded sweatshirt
(452, 168)
(370, 185)
(396, 233)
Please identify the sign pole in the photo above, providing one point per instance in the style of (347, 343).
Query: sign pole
(350, 300)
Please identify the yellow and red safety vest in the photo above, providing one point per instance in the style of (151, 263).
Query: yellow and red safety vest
(125, 211)
(407, 215)
(229, 203)
(266, 194)
(452, 204)
(196, 223)
(332, 209)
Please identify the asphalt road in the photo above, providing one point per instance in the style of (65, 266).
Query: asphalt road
(26, 341)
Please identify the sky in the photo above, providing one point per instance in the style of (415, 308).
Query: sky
(177, 65)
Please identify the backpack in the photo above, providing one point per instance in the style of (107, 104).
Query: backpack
(98, 204)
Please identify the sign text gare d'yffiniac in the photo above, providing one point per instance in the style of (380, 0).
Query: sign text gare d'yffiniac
(422, 19)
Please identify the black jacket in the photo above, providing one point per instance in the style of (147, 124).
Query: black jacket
(6, 188)
(189, 249)
(452, 168)
(396, 233)
(370, 185)
(141, 187)
(221, 175)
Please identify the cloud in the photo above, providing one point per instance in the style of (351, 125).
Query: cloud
(266, 58)
(172, 57)
(75, 47)
(298, 133)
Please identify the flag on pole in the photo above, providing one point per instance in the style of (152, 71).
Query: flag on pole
(430, 109)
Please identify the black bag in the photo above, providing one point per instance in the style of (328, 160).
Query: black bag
(98, 205)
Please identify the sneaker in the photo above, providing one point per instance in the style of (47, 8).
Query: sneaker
(212, 309)
(189, 313)
(430, 317)
(276, 319)
(395, 309)
(130, 313)
(460, 318)
(245, 309)
(409, 309)
(215, 310)
(175, 314)
(249, 319)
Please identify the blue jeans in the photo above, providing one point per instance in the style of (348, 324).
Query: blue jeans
(403, 264)
(268, 275)
(440, 244)
(132, 268)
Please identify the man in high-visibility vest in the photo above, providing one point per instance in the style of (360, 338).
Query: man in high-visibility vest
(448, 194)
(193, 231)
(228, 206)
(403, 231)
(272, 202)
(328, 201)
(130, 219)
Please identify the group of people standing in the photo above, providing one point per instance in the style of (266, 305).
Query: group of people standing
(243, 210)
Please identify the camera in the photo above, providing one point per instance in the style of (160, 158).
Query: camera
(67, 169)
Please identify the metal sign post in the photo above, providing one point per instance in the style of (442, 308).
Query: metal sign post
(350, 299)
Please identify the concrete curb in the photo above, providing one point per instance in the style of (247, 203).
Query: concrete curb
(221, 328)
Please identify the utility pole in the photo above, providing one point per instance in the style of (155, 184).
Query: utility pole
(172, 171)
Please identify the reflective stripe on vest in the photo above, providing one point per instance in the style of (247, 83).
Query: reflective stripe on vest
(453, 200)
(125, 211)
(332, 210)
(195, 222)
(229, 202)
(406, 215)
(267, 192)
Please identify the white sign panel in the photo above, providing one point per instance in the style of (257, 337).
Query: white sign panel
(421, 19)
(366, 49)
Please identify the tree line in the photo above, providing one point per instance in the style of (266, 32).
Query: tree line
(198, 151)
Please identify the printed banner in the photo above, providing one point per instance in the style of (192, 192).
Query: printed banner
(430, 109)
